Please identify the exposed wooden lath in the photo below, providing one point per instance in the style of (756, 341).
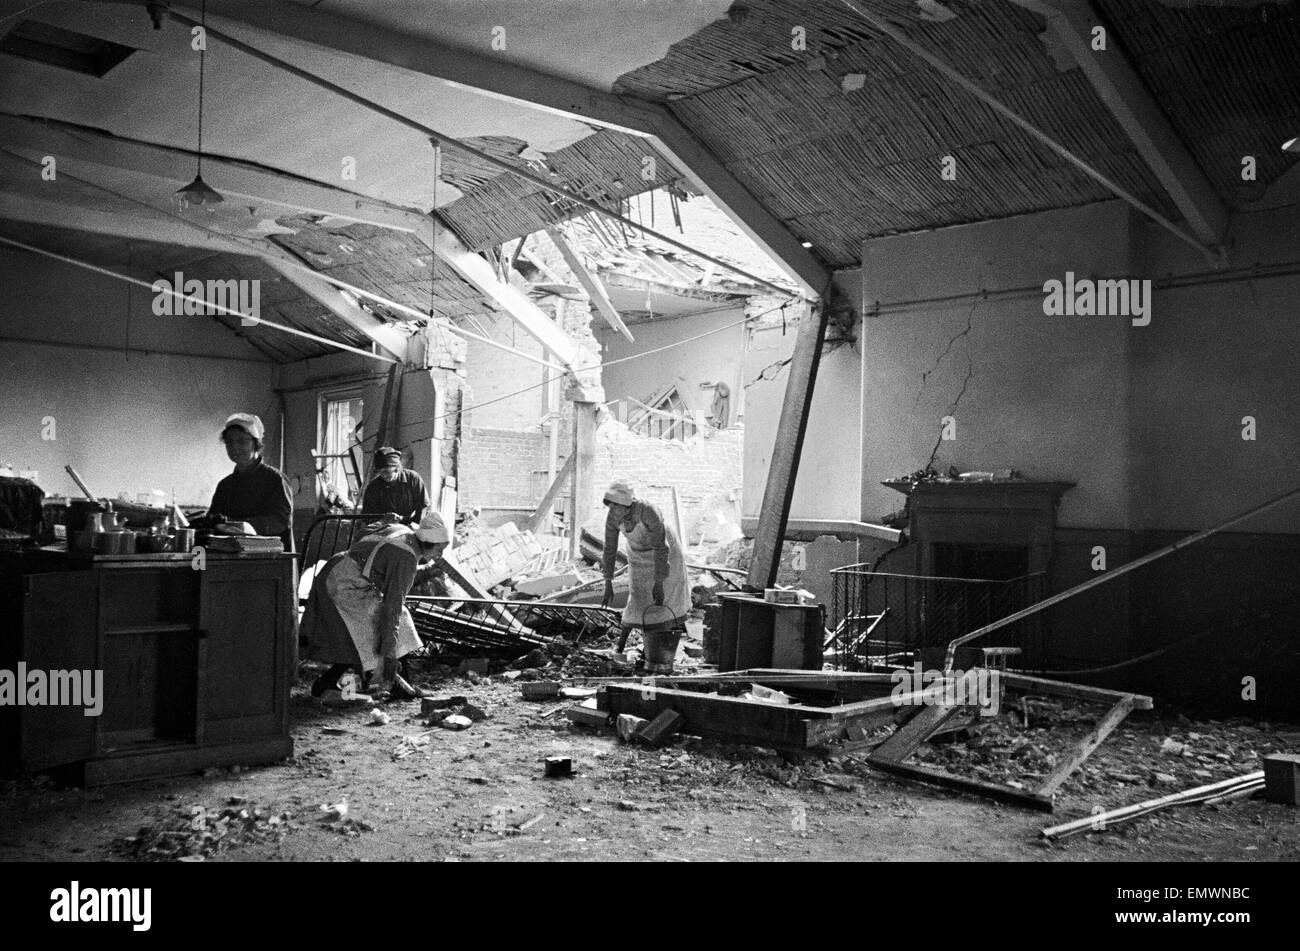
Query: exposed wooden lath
(395, 264)
(1228, 79)
(840, 167)
(508, 207)
(468, 172)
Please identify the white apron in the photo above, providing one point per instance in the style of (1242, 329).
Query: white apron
(358, 602)
(641, 574)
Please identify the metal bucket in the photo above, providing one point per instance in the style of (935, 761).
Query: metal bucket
(660, 638)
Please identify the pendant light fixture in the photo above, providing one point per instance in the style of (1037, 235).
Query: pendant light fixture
(198, 192)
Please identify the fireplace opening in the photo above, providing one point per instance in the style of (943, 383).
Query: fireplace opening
(988, 562)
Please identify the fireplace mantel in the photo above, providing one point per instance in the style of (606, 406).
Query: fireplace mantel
(1016, 512)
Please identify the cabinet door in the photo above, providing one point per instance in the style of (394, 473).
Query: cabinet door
(59, 634)
(247, 618)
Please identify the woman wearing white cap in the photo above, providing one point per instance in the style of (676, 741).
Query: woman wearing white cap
(656, 564)
(255, 492)
(355, 615)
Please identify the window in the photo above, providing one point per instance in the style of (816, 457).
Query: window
(664, 416)
(63, 48)
(341, 415)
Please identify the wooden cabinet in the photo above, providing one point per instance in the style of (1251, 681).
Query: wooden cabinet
(197, 664)
(758, 634)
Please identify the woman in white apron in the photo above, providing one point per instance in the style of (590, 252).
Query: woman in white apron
(355, 615)
(659, 595)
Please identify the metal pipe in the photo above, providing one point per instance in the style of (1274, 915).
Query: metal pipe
(1175, 282)
(446, 140)
(1121, 570)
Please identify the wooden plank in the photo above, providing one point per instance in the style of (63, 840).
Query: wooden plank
(591, 284)
(950, 781)
(128, 767)
(1100, 820)
(917, 730)
(582, 491)
(914, 732)
(552, 493)
(1058, 688)
(1094, 739)
(784, 467)
(725, 718)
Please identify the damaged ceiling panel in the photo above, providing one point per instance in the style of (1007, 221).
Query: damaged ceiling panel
(1227, 78)
(840, 167)
(843, 141)
(605, 167)
(395, 264)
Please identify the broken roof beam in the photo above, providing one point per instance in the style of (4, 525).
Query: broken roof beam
(590, 284)
(329, 297)
(1129, 101)
(954, 76)
(483, 276)
(502, 79)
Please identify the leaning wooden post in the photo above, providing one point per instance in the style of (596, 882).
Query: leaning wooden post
(789, 444)
(582, 491)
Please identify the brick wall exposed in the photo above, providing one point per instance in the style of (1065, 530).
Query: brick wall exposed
(497, 466)
(497, 469)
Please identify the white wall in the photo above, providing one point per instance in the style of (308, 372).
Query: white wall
(127, 420)
(1048, 396)
(716, 358)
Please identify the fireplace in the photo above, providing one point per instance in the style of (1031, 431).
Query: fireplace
(992, 530)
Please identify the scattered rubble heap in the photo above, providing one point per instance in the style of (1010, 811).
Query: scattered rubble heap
(196, 833)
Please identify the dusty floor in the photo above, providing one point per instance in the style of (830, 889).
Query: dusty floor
(479, 795)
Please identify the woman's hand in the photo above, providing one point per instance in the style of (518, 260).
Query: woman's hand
(609, 593)
(658, 593)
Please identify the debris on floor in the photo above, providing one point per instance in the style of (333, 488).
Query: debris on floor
(196, 833)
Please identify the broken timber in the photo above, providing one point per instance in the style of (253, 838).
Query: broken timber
(862, 702)
(790, 727)
(889, 756)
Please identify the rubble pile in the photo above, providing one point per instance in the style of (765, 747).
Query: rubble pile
(196, 833)
(1002, 749)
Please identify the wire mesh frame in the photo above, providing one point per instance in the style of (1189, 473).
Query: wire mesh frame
(881, 618)
(506, 628)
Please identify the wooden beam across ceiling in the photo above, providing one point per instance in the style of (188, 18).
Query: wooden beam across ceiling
(591, 284)
(159, 228)
(94, 149)
(1127, 99)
